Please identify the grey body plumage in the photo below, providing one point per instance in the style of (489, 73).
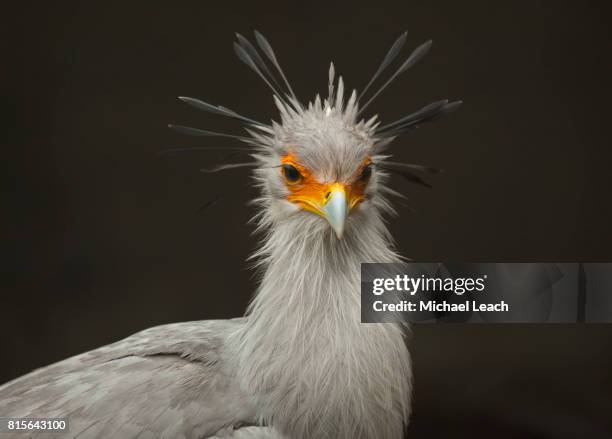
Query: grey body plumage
(300, 364)
(170, 381)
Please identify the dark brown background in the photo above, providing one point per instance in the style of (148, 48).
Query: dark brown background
(102, 237)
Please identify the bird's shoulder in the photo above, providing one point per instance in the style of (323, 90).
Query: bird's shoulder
(167, 381)
(198, 341)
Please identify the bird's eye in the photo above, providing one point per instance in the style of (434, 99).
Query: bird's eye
(292, 175)
(366, 173)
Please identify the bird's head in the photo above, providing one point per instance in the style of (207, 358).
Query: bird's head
(322, 165)
(318, 165)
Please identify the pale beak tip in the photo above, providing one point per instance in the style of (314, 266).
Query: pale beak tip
(336, 211)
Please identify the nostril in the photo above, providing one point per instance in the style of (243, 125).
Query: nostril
(327, 195)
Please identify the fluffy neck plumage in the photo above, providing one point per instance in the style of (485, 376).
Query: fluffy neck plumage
(314, 369)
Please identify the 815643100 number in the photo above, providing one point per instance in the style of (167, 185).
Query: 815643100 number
(33, 424)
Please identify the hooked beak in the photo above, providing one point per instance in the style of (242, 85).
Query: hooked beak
(336, 209)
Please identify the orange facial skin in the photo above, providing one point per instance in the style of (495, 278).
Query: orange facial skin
(312, 195)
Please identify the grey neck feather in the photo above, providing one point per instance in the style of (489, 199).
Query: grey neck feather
(312, 367)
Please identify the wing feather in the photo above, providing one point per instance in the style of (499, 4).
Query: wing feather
(171, 381)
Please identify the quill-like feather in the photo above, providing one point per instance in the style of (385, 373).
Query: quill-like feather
(243, 56)
(222, 111)
(198, 132)
(267, 49)
(414, 57)
(426, 110)
(391, 55)
(226, 166)
(331, 76)
(209, 203)
(246, 44)
(171, 151)
(402, 166)
(408, 175)
(416, 122)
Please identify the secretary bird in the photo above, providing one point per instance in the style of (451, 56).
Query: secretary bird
(299, 364)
